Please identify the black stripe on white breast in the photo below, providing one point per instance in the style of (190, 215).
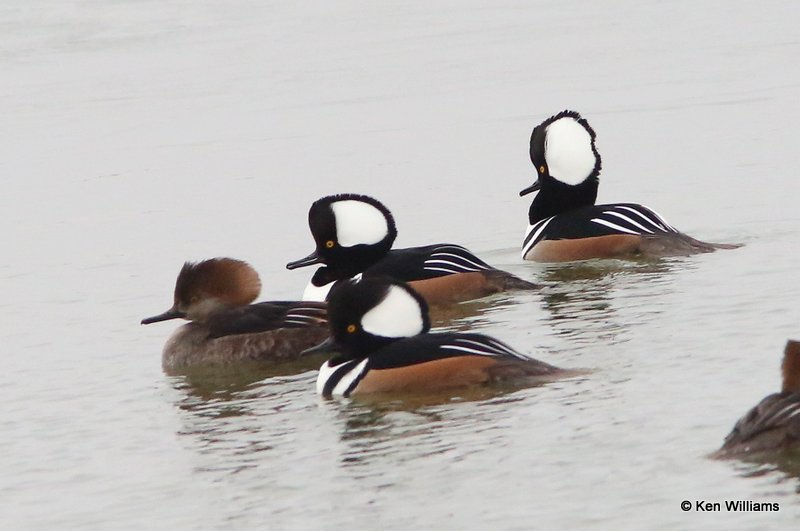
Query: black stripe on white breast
(341, 379)
(454, 259)
(535, 234)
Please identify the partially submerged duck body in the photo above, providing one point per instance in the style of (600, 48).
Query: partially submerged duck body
(774, 424)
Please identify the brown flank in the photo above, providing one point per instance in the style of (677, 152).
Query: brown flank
(429, 376)
(459, 371)
(461, 287)
(585, 248)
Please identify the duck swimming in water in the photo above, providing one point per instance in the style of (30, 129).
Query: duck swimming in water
(774, 424)
(379, 327)
(564, 224)
(225, 328)
(354, 236)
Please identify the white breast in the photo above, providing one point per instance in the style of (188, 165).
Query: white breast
(347, 379)
(316, 293)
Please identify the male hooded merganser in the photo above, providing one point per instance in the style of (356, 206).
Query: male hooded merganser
(774, 424)
(566, 225)
(215, 295)
(379, 329)
(354, 236)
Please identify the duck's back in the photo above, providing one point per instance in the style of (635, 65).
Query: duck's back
(774, 424)
(446, 273)
(608, 231)
(430, 261)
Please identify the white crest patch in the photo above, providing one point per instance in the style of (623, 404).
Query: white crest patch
(568, 151)
(397, 315)
(358, 222)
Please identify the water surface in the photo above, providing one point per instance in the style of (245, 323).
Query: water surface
(139, 134)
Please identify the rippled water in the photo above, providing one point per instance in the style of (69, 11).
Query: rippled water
(139, 134)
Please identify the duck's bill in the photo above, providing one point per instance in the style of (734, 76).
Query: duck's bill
(532, 188)
(311, 259)
(326, 346)
(172, 313)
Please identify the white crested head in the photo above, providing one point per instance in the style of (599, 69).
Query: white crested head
(569, 151)
(398, 314)
(358, 222)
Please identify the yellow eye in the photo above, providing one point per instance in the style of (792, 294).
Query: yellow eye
(351, 328)
(329, 244)
(541, 169)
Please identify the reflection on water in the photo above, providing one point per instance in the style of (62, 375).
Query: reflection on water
(223, 415)
(223, 383)
(371, 426)
(462, 317)
(582, 299)
(786, 463)
(594, 270)
(224, 405)
(137, 137)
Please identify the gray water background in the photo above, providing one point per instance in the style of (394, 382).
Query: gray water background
(139, 134)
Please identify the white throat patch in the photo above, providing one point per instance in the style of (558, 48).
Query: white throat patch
(317, 293)
(568, 151)
(358, 223)
(397, 315)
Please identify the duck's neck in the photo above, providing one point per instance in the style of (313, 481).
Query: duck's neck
(555, 198)
(208, 310)
(791, 367)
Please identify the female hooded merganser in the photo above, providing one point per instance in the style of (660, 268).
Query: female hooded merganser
(566, 225)
(215, 295)
(774, 424)
(354, 236)
(379, 329)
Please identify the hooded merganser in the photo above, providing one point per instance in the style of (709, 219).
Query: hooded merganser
(379, 328)
(354, 236)
(215, 295)
(774, 424)
(564, 222)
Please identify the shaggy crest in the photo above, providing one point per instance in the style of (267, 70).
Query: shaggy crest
(233, 282)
